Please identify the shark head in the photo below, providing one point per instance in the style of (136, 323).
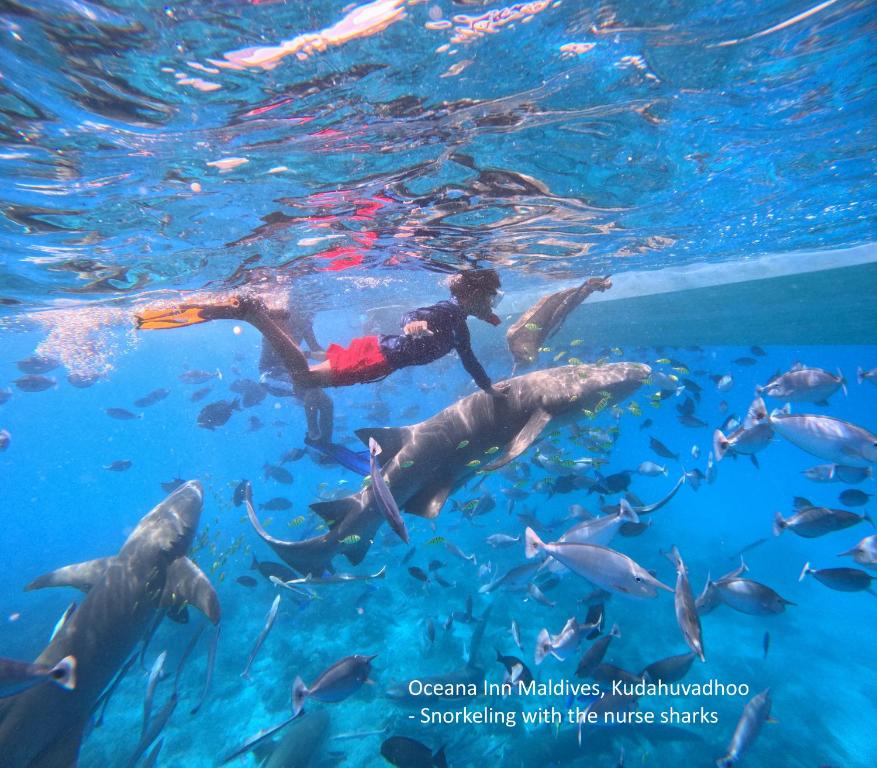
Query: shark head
(170, 526)
(572, 389)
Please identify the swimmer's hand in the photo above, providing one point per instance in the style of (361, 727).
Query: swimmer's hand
(500, 392)
(417, 328)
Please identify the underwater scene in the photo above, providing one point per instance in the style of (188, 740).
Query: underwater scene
(438, 383)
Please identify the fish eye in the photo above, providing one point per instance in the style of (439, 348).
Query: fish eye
(638, 579)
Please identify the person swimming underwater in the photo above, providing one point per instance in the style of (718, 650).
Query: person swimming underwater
(428, 333)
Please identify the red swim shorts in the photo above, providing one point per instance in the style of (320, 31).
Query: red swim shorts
(362, 361)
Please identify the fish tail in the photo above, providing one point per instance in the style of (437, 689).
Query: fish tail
(543, 646)
(532, 543)
(779, 524)
(860, 374)
(64, 673)
(439, 760)
(628, 514)
(720, 444)
(299, 694)
(615, 631)
(866, 516)
(805, 570)
(673, 556)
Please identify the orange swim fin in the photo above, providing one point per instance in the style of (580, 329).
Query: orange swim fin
(183, 315)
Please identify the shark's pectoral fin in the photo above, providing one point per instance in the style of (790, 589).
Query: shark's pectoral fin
(523, 440)
(428, 501)
(186, 584)
(80, 575)
(391, 440)
(64, 750)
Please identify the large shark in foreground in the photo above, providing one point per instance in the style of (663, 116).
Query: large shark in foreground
(423, 463)
(43, 727)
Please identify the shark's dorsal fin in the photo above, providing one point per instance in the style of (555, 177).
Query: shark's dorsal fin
(186, 584)
(82, 576)
(428, 501)
(391, 440)
(523, 440)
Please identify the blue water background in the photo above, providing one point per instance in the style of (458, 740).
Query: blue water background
(657, 148)
(65, 508)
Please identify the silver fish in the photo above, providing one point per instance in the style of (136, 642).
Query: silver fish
(752, 436)
(811, 522)
(864, 553)
(386, 503)
(650, 469)
(751, 597)
(828, 438)
(539, 596)
(837, 473)
(515, 578)
(336, 683)
(840, 579)
(254, 741)
(601, 566)
(601, 530)
(804, 385)
(593, 657)
(154, 676)
(686, 612)
(755, 714)
(269, 622)
(669, 670)
(18, 676)
(63, 620)
(563, 644)
(516, 634)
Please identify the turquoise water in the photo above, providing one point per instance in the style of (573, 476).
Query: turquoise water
(717, 161)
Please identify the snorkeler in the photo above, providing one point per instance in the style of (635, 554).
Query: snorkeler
(428, 333)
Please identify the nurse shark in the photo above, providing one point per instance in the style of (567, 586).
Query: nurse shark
(425, 462)
(43, 727)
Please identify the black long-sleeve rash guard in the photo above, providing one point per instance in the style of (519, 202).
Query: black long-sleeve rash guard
(447, 322)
